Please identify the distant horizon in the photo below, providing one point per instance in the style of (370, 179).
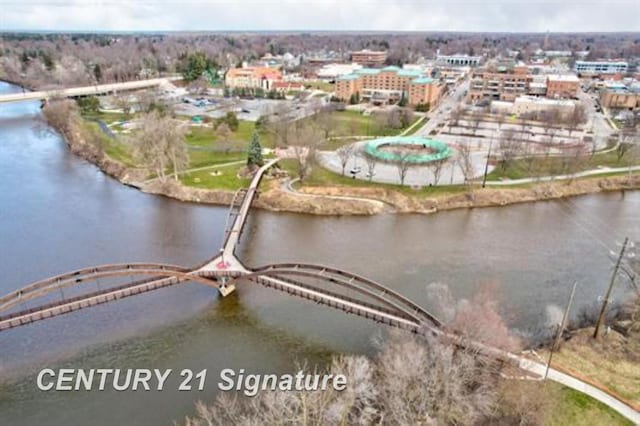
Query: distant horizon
(320, 16)
(162, 32)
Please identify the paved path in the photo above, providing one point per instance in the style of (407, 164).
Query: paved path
(198, 169)
(287, 187)
(580, 386)
(595, 172)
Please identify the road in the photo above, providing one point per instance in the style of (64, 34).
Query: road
(441, 113)
(98, 89)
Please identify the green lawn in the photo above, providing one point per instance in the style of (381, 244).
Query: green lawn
(320, 85)
(208, 179)
(540, 166)
(198, 137)
(206, 136)
(114, 148)
(320, 176)
(364, 125)
(576, 408)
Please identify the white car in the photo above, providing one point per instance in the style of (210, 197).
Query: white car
(355, 170)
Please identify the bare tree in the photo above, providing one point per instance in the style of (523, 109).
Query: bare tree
(474, 121)
(325, 121)
(394, 118)
(344, 153)
(371, 165)
(159, 144)
(436, 168)
(577, 117)
(465, 163)
(304, 140)
(279, 125)
(627, 143)
(61, 115)
(455, 116)
(403, 165)
(223, 133)
(510, 148)
(500, 119)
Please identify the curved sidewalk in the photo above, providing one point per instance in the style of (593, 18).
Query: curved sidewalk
(576, 384)
(586, 173)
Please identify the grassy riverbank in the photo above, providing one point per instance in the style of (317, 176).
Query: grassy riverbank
(214, 172)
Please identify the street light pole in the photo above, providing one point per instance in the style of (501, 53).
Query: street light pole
(486, 164)
(605, 302)
(560, 329)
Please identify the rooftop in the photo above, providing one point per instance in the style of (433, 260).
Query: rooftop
(423, 80)
(564, 77)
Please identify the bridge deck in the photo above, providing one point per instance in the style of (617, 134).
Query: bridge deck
(227, 258)
(98, 89)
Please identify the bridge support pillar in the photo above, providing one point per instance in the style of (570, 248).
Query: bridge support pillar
(226, 289)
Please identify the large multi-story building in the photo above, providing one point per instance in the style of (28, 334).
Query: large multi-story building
(252, 77)
(533, 104)
(333, 71)
(600, 67)
(369, 58)
(502, 86)
(390, 84)
(562, 86)
(459, 60)
(620, 98)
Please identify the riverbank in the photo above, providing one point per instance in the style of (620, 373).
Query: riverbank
(348, 200)
(357, 201)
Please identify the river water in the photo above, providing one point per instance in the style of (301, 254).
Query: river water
(59, 213)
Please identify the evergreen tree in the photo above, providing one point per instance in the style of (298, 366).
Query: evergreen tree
(254, 157)
(403, 101)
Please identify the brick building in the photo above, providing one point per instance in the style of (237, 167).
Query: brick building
(563, 86)
(369, 58)
(389, 85)
(502, 86)
(252, 77)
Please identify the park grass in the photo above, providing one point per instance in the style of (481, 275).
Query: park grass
(548, 166)
(320, 177)
(205, 136)
(227, 179)
(364, 125)
(576, 408)
(115, 148)
(320, 85)
(609, 361)
(210, 158)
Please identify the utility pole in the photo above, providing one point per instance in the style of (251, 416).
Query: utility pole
(560, 330)
(486, 164)
(605, 302)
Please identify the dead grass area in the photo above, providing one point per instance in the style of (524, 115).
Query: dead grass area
(612, 362)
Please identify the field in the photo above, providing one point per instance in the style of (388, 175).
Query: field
(541, 166)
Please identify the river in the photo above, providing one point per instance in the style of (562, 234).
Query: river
(59, 213)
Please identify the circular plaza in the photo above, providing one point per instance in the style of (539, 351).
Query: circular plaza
(380, 160)
(411, 149)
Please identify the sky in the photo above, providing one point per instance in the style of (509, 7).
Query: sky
(328, 15)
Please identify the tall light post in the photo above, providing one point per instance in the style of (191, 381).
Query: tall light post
(607, 297)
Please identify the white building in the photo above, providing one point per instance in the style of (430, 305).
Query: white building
(601, 67)
(531, 104)
(459, 59)
(333, 71)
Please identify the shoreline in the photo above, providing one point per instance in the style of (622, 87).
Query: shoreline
(349, 201)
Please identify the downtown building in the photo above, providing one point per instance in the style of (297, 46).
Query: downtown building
(390, 85)
(595, 68)
(369, 58)
(252, 78)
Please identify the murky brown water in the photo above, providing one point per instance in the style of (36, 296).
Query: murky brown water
(59, 213)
